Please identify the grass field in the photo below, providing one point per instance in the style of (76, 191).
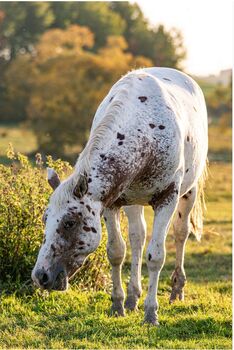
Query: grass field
(80, 319)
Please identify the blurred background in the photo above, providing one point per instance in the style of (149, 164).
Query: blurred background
(59, 59)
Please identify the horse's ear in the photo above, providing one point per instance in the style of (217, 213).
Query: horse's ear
(81, 187)
(53, 178)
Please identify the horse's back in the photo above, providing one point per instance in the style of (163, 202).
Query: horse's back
(154, 124)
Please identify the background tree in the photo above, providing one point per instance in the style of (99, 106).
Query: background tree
(61, 117)
(59, 59)
(164, 48)
(21, 25)
(98, 16)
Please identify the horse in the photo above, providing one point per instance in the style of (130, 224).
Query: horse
(147, 146)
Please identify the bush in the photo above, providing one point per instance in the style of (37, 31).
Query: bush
(24, 193)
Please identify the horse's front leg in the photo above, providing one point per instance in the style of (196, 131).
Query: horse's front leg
(156, 252)
(137, 233)
(116, 252)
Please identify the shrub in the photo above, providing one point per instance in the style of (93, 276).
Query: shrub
(24, 193)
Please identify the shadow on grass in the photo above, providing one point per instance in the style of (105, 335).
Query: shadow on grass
(105, 332)
(191, 328)
(199, 267)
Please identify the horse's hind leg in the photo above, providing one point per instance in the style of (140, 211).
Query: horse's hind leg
(116, 253)
(137, 233)
(181, 227)
(156, 252)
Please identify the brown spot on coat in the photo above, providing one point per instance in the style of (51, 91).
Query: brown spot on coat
(103, 156)
(120, 136)
(149, 257)
(142, 98)
(89, 180)
(152, 126)
(161, 127)
(167, 79)
(86, 228)
(53, 247)
(180, 215)
(120, 143)
(187, 170)
(88, 207)
(93, 230)
(188, 139)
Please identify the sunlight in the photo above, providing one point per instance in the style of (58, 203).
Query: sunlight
(206, 27)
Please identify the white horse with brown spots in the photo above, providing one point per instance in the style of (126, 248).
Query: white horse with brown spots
(148, 145)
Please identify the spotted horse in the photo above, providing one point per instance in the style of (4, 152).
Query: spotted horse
(147, 145)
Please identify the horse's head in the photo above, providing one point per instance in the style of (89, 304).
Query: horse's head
(72, 232)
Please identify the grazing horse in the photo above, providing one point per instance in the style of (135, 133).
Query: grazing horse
(148, 145)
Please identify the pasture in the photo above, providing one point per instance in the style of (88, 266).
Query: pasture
(81, 319)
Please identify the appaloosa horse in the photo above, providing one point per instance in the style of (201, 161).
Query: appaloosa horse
(148, 145)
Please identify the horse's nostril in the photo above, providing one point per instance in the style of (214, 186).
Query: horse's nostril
(44, 278)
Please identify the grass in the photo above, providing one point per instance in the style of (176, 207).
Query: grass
(80, 319)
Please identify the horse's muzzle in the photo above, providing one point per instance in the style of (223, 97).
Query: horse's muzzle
(57, 280)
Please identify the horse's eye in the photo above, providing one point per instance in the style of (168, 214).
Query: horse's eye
(69, 224)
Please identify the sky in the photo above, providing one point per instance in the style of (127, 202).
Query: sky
(206, 26)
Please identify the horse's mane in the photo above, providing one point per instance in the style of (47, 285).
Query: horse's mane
(120, 93)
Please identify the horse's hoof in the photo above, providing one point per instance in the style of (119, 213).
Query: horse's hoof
(178, 281)
(117, 308)
(176, 293)
(152, 322)
(131, 303)
(151, 317)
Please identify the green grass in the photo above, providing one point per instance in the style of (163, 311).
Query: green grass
(80, 319)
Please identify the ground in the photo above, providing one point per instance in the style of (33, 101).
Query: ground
(80, 319)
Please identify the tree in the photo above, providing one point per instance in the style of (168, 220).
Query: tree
(164, 48)
(98, 16)
(18, 82)
(219, 104)
(70, 84)
(21, 25)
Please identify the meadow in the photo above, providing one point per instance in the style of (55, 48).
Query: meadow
(81, 318)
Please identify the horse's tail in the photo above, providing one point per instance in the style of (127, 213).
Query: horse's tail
(196, 216)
